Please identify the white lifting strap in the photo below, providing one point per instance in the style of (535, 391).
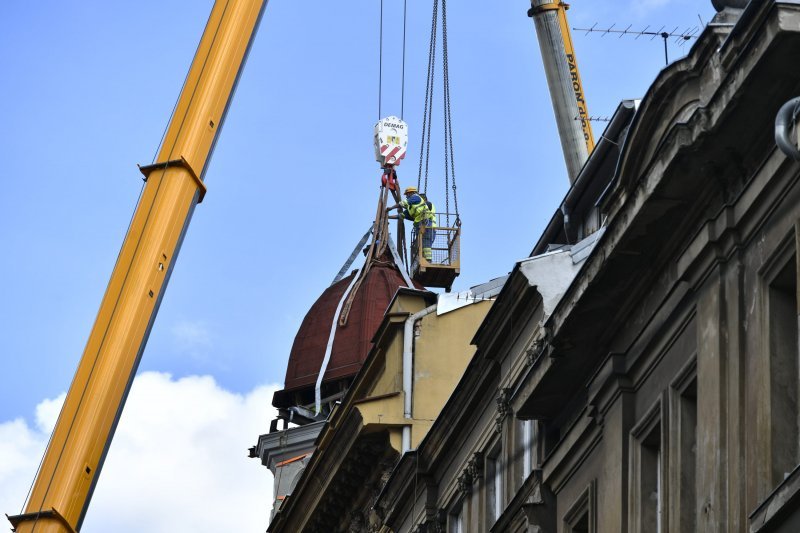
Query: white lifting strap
(329, 347)
(399, 263)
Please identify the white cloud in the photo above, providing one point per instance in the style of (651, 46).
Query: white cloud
(192, 337)
(178, 461)
(21, 449)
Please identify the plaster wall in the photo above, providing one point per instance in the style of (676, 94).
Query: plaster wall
(441, 352)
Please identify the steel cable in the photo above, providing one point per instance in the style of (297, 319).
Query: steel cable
(427, 115)
(380, 60)
(403, 74)
(448, 118)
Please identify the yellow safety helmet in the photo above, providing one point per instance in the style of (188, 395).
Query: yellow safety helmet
(410, 190)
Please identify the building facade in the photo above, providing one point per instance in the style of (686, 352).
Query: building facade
(660, 392)
(640, 371)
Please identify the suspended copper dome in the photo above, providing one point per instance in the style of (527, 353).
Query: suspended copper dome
(352, 341)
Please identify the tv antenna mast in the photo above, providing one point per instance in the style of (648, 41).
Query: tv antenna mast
(680, 37)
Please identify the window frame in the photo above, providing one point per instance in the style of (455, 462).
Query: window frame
(494, 483)
(585, 506)
(652, 425)
(456, 522)
(683, 392)
(770, 280)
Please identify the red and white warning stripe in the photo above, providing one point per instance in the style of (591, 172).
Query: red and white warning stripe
(392, 155)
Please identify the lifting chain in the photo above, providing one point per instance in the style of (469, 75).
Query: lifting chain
(448, 121)
(427, 118)
(427, 115)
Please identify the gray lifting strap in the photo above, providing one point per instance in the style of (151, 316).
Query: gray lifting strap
(399, 263)
(349, 262)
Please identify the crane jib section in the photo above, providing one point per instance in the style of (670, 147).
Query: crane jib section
(560, 9)
(70, 468)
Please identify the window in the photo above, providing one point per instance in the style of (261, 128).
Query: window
(683, 449)
(530, 459)
(647, 469)
(651, 482)
(456, 519)
(524, 450)
(581, 518)
(494, 485)
(781, 322)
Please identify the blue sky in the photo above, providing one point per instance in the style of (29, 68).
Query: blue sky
(88, 87)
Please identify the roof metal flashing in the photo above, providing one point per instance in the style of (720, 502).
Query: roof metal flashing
(551, 274)
(448, 302)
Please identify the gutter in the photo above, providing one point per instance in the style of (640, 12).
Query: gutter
(408, 361)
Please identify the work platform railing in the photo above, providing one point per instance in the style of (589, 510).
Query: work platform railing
(436, 252)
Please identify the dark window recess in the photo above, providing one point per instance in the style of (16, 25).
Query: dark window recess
(581, 517)
(552, 436)
(582, 525)
(494, 486)
(651, 492)
(783, 353)
(687, 457)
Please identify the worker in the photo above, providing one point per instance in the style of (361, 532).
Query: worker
(416, 207)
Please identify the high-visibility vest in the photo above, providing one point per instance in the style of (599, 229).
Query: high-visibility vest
(420, 211)
(431, 214)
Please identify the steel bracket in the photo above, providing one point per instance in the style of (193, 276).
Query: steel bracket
(552, 6)
(52, 514)
(148, 169)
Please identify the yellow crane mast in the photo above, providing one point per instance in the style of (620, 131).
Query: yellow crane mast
(575, 76)
(564, 82)
(63, 486)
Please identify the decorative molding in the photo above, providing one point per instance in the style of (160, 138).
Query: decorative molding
(649, 421)
(584, 507)
(534, 351)
(440, 522)
(594, 413)
(435, 523)
(503, 408)
(472, 472)
(465, 480)
(475, 466)
(539, 347)
(686, 375)
(356, 522)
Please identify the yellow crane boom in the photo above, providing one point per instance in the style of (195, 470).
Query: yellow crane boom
(63, 486)
(564, 82)
(572, 63)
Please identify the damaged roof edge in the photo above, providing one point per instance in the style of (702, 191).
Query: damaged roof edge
(550, 274)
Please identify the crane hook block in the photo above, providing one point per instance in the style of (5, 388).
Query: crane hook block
(391, 141)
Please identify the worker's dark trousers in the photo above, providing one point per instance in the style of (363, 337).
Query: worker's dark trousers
(427, 241)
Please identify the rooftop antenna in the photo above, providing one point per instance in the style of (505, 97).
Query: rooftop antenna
(679, 37)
